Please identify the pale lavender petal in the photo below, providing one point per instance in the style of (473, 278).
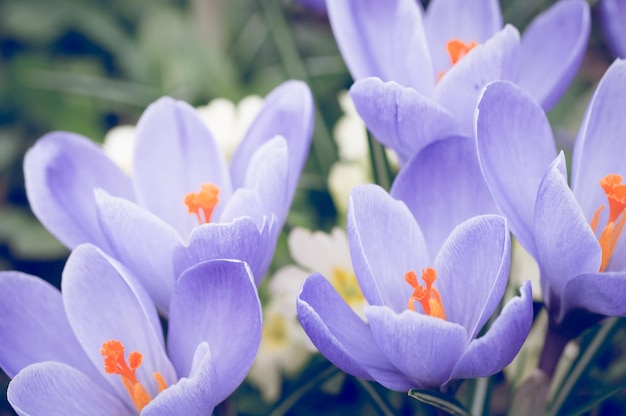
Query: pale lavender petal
(473, 267)
(601, 293)
(60, 172)
(216, 302)
(190, 396)
(613, 18)
(423, 347)
(142, 242)
(174, 155)
(443, 186)
(553, 46)
(57, 389)
(240, 240)
(383, 39)
(288, 111)
(496, 59)
(465, 20)
(601, 144)
(33, 326)
(514, 153)
(104, 302)
(496, 349)
(342, 337)
(566, 244)
(385, 244)
(400, 117)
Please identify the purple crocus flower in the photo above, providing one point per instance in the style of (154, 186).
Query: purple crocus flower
(97, 347)
(184, 203)
(613, 15)
(418, 334)
(418, 74)
(574, 233)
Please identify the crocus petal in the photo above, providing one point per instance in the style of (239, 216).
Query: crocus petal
(514, 153)
(566, 244)
(175, 154)
(400, 117)
(104, 302)
(601, 146)
(496, 349)
(240, 239)
(383, 39)
(553, 47)
(385, 244)
(472, 268)
(193, 395)
(142, 242)
(443, 186)
(601, 293)
(216, 302)
(33, 326)
(60, 173)
(613, 15)
(468, 21)
(52, 388)
(287, 111)
(496, 59)
(338, 333)
(424, 347)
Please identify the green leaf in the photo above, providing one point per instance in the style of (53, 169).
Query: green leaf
(442, 401)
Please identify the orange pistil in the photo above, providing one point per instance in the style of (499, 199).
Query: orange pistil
(428, 296)
(115, 363)
(203, 203)
(616, 194)
(457, 49)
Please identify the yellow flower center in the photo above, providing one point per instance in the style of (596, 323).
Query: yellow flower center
(616, 194)
(427, 295)
(345, 283)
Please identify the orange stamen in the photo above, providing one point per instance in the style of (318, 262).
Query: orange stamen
(427, 296)
(203, 202)
(456, 49)
(616, 194)
(115, 363)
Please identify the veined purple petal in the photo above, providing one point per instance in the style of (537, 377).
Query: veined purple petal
(473, 267)
(601, 293)
(104, 302)
(443, 186)
(468, 21)
(142, 242)
(423, 347)
(175, 154)
(601, 145)
(385, 244)
(496, 349)
(33, 326)
(343, 337)
(459, 88)
(384, 39)
(400, 117)
(514, 153)
(216, 302)
(288, 112)
(52, 388)
(60, 173)
(240, 240)
(553, 47)
(613, 15)
(190, 396)
(566, 245)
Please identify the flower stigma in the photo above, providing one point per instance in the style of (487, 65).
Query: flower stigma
(115, 363)
(427, 296)
(456, 49)
(615, 192)
(203, 203)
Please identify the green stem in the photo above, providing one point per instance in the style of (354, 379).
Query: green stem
(376, 398)
(293, 398)
(481, 389)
